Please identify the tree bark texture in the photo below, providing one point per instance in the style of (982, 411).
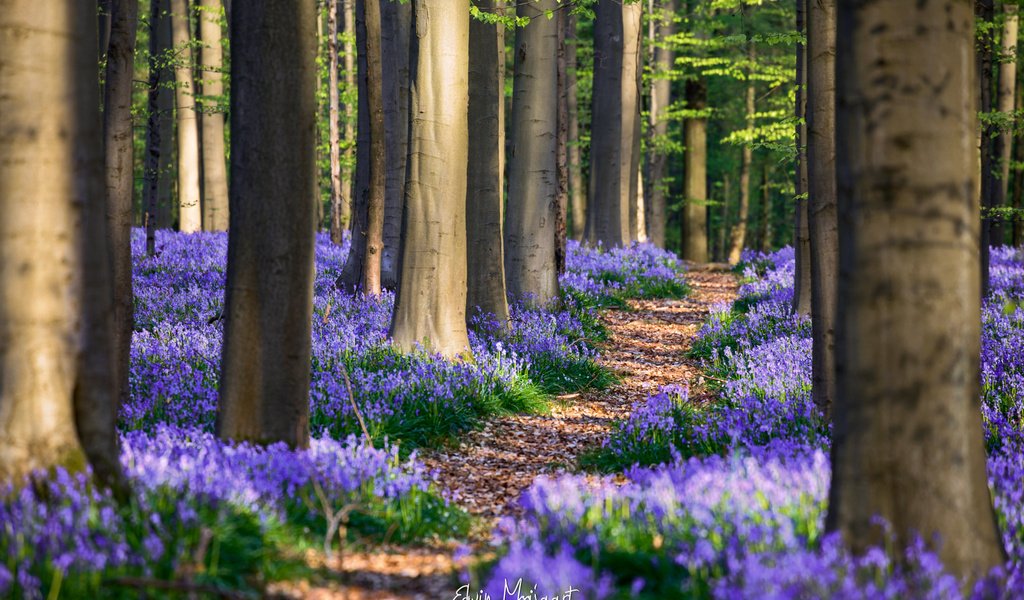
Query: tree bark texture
(370, 280)
(661, 99)
(695, 211)
(215, 174)
(190, 215)
(801, 233)
(907, 442)
(533, 181)
(577, 193)
(616, 96)
(430, 307)
(397, 31)
(822, 212)
(120, 182)
(486, 169)
(264, 392)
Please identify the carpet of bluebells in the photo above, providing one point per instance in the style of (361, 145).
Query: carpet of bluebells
(229, 515)
(728, 500)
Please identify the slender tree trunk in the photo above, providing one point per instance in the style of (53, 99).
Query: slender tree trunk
(695, 241)
(984, 10)
(801, 234)
(264, 392)
(215, 174)
(822, 216)
(908, 434)
(533, 181)
(165, 108)
(739, 231)
(370, 280)
(190, 216)
(632, 25)
(663, 60)
(339, 211)
(765, 233)
(486, 169)
(562, 153)
(397, 29)
(151, 172)
(53, 246)
(724, 229)
(120, 182)
(430, 308)
(998, 140)
(351, 109)
(577, 193)
(104, 18)
(615, 97)
(1007, 86)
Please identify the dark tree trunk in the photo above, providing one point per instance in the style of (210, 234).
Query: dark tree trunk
(396, 32)
(151, 172)
(370, 279)
(801, 233)
(165, 107)
(264, 391)
(984, 10)
(663, 23)
(562, 153)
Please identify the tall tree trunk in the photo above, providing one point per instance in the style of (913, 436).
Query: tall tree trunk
(695, 213)
(801, 233)
(351, 274)
(345, 208)
(215, 175)
(907, 440)
(984, 10)
(264, 390)
(430, 308)
(765, 233)
(577, 193)
(632, 25)
(562, 152)
(370, 280)
(151, 173)
(165, 107)
(120, 181)
(1007, 87)
(663, 27)
(339, 210)
(104, 17)
(822, 216)
(397, 29)
(612, 192)
(739, 231)
(724, 229)
(530, 215)
(486, 170)
(190, 215)
(58, 400)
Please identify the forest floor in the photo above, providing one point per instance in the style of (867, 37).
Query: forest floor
(489, 468)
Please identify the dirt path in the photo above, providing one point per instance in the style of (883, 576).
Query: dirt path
(490, 468)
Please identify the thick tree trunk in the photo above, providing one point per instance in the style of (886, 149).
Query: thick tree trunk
(739, 231)
(801, 233)
(664, 27)
(370, 279)
(577, 193)
(430, 308)
(695, 213)
(616, 96)
(58, 400)
(215, 174)
(190, 215)
(264, 391)
(151, 173)
(822, 217)
(533, 181)
(907, 433)
(120, 182)
(562, 152)
(397, 29)
(984, 9)
(486, 169)
(165, 107)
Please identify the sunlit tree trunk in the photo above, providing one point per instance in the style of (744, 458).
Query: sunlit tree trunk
(190, 215)
(120, 182)
(663, 27)
(430, 308)
(348, 178)
(801, 233)
(165, 108)
(264, 391)
(370, 279)
(695, 211)
(907, 443)
(1007, 86)
(739, 231)
(340, 208)
(577, 193)
(530, 215)
(397, 29)
(215, 175)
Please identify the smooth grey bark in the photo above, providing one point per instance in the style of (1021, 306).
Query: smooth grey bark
(430, 307)
(264, 391)
(485, 177)
(370, 278)
(58, 401)
(397, 29)
(530, 269)
(801, 232)
(907, 443)
(190, 215)
(215, 174)
(695, 212)
(120, 181)
(663, 26)
(577, 193)
(616, 95)
(822, 216)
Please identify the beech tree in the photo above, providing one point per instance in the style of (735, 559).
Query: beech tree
(577, 192)
(190, 215)
(58, 401)
(396, 30)
(738, 236)
(695, 195)
(215, 175)
(265, 365)
(661, 28)
(801, 233)
(430, 307)
(907, 442)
